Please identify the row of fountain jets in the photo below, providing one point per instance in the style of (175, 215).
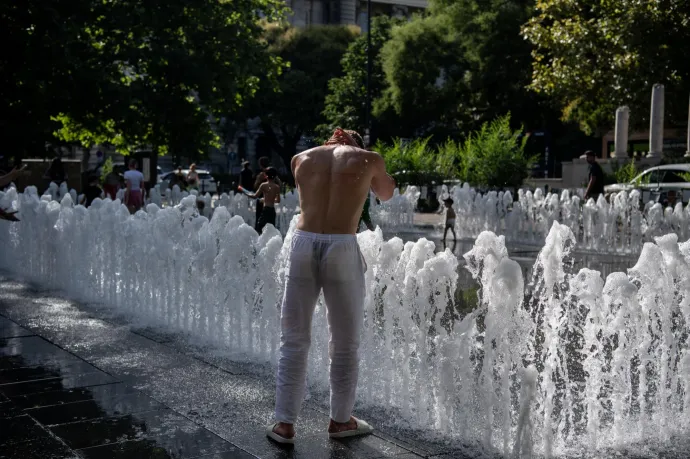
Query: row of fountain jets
(564, 363)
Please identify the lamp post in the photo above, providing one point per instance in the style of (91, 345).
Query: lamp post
(369, 65)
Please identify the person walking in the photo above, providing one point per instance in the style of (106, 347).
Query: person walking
(246, 177)
(450, 219)
(178, 179)
(193, 178)
(56, 171)
(134, 195)
(333, 181)
(595, 180)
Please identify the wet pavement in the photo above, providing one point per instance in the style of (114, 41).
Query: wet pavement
(78, 381)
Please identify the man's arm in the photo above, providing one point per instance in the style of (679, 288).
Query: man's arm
(382, 184)
(8, 178)
(591, 183)
(258, 193)
(293, 168)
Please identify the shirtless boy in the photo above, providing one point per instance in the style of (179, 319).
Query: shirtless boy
(270, 191)
(333, 182)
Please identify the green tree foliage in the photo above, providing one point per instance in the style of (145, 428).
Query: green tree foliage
(624, 173)
(106, 169)
(420, 90)
(593, 56)
(345, 104)
(462, 65)
(132, 73)
(491, 157)
(410, 162)
(313, 56)
(494, 156)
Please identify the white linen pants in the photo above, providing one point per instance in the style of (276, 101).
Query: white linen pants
(334, 263)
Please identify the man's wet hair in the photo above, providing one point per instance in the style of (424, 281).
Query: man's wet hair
(271, 173)
(356, 137)
(448, 201)
(589, 153)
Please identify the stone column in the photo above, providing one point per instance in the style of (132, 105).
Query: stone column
(348, 10)
(621, 137)
(656, 122)
(687, 141)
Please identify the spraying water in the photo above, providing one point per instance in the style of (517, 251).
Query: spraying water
(563, 363)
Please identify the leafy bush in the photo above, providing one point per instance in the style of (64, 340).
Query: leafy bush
(407, 157)
(493, 157)
(625, 173)
(107, 169)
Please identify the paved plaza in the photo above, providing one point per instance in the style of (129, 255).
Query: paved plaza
(78, 381)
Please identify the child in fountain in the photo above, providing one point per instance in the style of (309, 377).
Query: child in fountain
(450, 218)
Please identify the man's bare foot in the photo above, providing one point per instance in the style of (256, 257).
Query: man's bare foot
(335, 427)
(285, 430)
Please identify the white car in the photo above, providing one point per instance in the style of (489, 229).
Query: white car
(207, 184)
(656, 182)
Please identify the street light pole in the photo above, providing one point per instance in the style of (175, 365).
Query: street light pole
(369, 66)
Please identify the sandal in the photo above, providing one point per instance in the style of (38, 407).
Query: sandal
(363, 428)
(270, 433)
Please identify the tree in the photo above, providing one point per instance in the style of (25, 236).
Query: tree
(422, 79)
(44, 60)
(345, 104)
(313, 55)
(594, 56)
(134, 73)
(462, 65)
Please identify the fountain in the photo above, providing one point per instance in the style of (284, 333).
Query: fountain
(614, 226)
(563, 364)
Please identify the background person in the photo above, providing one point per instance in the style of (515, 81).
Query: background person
(56, 171)
(92, 191)
(595, 185)
(178, 179)
(247, 177)
(193, 178)
(134, 196)
(261, 177)
(270, 191)
(450, 219)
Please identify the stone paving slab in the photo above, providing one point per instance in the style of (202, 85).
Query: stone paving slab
(103, 387)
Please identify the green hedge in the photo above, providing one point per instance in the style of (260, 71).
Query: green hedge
(492, 157)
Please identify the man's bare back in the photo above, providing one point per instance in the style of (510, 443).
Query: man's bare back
(271, 193)
(333, 182)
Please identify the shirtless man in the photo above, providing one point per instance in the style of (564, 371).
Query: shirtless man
(270, 191)
(333, 182)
